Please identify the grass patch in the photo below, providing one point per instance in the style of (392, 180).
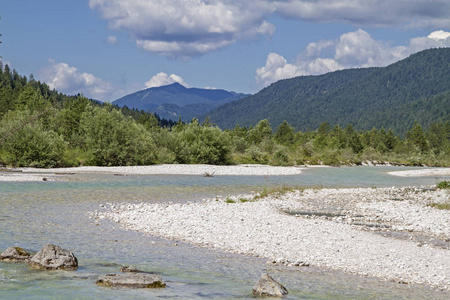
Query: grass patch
(243, 200)
(230, 201)
(276, 191)
(443, 206)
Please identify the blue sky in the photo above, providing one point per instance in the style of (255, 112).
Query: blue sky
(106, 49)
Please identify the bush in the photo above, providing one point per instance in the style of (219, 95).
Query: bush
(281, 158)
(256, 155)
(443, 185)
(197, 144)
(30, 145)
(111, 139)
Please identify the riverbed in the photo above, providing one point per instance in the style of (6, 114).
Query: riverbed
(59, 210)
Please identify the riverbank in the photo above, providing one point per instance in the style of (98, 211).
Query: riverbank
(176, 169)
(423, 172)
(388, 233)
(38, 174)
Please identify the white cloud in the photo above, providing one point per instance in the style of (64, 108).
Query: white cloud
(183, 29)
(351, 50)
(112, 40)
(186, 28)
(69, 80)
(162, 78)
(276, 68)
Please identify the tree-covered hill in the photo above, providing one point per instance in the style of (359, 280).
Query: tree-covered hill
(40, 127)
(416, 88)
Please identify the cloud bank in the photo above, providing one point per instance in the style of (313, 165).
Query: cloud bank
(69, 80)
(352, 50)
(189, 28)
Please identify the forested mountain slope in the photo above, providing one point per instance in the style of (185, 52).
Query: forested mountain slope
(415, 88)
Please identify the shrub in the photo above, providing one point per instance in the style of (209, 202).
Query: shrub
(257, 155)
(201, 145)
(443, 185)
(30, 145)
(111, 139)
(281, 158)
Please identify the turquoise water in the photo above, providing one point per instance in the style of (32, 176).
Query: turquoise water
(35, 213)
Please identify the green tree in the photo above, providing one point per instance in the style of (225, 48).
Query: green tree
(416, 137)
(30, 144)
(260, 132)
(201, 145)
(355, 143)
(111, 139)
(31, 99)
(284, 134)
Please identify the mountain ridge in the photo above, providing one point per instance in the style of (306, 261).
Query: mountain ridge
(175, 100)
(351, 96)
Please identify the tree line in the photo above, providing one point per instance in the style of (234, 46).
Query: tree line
(40, 127)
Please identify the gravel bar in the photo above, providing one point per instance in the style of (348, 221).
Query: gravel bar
(367, 231)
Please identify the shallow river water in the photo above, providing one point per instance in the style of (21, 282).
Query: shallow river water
(35, 213)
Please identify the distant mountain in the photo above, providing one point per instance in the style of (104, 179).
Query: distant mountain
(174, 100)
(416, 88)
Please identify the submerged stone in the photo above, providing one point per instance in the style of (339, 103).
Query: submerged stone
(131, 280)
(130, 269)
(268, 287)
(15, 254)
(53, 257)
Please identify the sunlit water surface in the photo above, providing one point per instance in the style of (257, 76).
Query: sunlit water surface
(35, 213)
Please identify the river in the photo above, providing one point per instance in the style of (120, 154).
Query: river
(35, 213)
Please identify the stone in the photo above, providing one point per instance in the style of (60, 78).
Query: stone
(268, 287)
(53, 257)
(131, 280)
(15, 254)
(130, 269)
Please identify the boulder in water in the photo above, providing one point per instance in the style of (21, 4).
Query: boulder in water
(53, 257)
(268, 287)
(15, 254)
(131, 280)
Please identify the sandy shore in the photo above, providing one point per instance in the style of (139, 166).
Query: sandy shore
(389, 233)
(422, 172)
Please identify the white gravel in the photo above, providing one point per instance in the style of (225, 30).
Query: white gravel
(174, 169)
(10, 177)
(264, 229)
(422, 172)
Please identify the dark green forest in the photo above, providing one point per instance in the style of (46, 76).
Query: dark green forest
(40, 127)
(414, 89)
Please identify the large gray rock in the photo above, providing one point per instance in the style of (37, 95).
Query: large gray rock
(268, 287)
(131, 280)
(15, 254)
(53, 257)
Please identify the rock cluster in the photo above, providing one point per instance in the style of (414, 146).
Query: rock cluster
(52, 257)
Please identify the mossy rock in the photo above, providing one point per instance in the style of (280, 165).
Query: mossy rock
(15, 254)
